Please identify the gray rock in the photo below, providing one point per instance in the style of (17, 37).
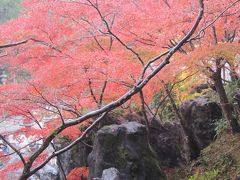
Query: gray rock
(237, 97)
(48, 172)
(110, 119)
(74, 157)
(126, 148)
(111, 174)
(170, 143)
(199, 116)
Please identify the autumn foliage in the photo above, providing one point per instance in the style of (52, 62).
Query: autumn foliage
(80, 173)
(78, 56)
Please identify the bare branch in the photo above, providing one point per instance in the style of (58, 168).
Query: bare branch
(144, 110)
(27, 172)
(24, 147)
(114, 35)
(102, 93)
(47, 101)
(56, 153)
(202, 30)
(13, 44)
(91, 91)
(14, 149)
(166, 2)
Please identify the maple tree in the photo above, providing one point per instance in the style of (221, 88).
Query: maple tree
(213, 65)
(75, 61)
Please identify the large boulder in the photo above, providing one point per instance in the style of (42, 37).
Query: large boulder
(126, 148)
(170, 143)
(199, 116)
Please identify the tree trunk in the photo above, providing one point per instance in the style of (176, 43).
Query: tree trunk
(227, 108)
(144, 110)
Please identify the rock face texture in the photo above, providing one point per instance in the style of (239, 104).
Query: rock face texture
(199, 116)
(110, 119)
(126, 148)
(237, 97)
(74, 157)
(170, 143)
(111, 174)
(49, 172)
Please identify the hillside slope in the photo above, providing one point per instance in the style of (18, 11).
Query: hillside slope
(220, 160)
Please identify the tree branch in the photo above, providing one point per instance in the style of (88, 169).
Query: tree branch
(14, 149)
(27, 172)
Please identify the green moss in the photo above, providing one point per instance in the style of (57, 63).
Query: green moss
(117, 154)
(128, 151)
(222, 155)
(82, 127)
(123, 153)
(220, 160)
(150, 160)
(208, 175)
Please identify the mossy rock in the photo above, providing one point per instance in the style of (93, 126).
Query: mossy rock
(126, 148)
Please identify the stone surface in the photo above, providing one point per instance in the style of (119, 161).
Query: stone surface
(74, 157)
(110, 119)
(169, 143)
(111, 174)
(48, 172)
(126, 148)
(237, 97)
(199, 116)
